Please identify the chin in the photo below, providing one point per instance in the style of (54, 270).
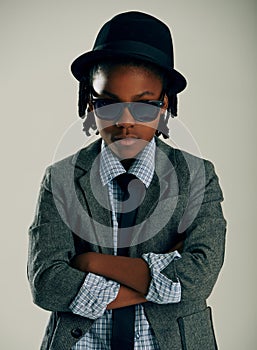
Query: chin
(126, 151)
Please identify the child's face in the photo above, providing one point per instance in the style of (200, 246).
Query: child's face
(127, 137)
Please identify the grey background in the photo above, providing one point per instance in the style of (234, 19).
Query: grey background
(215, 48)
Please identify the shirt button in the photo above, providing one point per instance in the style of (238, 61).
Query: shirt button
(76, 333)
(137, 335)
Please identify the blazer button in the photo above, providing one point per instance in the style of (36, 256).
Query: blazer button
(76, 333)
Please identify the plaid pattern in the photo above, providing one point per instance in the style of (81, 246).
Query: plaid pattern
(162, 290)
(143, 168)
(95, 294)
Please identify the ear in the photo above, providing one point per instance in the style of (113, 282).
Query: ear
(90, 107)
(166, 103)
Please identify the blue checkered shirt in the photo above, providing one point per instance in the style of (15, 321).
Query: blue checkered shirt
(97, 291)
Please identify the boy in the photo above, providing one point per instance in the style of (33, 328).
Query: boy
(106, 253)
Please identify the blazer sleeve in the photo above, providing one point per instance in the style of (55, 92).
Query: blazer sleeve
(204, 246)
(54, 283)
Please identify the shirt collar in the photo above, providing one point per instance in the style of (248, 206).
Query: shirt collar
(142, 168)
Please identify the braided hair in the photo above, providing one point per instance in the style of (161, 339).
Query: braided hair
(86, 84)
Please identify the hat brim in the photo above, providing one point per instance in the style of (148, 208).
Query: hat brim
(82, 64)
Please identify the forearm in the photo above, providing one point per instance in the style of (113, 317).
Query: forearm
(126, 297)
(131, 272)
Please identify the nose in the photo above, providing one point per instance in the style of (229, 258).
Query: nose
(126, 120)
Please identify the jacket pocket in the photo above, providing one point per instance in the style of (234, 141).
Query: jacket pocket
(196, 331)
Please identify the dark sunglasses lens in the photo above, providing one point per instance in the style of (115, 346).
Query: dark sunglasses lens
(107, 111)
(141, 111)
(144, 112)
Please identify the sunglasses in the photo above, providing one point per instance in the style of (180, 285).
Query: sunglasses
(142, 111)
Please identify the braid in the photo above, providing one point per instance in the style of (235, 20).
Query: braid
(84, 97)
(89, 123)
(173, 104)
(163, 128)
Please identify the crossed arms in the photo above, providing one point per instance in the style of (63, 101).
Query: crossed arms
(133, 274)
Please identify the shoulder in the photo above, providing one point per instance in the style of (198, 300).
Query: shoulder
(82, 157)
(78, 163)
(193, 173)
(183, 160)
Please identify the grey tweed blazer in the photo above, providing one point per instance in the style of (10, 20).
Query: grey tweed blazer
(73, 216)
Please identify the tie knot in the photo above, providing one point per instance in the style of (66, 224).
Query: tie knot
(131, 187)
(124, 179)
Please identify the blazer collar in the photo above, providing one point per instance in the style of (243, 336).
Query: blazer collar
(85, 157)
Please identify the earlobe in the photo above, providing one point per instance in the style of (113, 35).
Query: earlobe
(90, 107)
(166, 103)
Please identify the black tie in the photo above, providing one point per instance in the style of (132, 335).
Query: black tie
(123, 319)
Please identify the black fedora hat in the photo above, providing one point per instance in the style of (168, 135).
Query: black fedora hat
(133, 35)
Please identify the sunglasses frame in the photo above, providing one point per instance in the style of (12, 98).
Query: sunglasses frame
(129, 105)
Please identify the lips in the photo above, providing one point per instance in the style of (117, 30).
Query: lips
(123, 137)
(125, 140)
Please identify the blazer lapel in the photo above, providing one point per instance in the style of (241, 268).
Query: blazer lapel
(94, 196)
(164, 184)
(161, 199)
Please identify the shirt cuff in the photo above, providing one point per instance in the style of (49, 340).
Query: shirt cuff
(162, 290)
(94, 296)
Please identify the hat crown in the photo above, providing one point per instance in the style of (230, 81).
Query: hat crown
(134, 35)
(139, 28)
